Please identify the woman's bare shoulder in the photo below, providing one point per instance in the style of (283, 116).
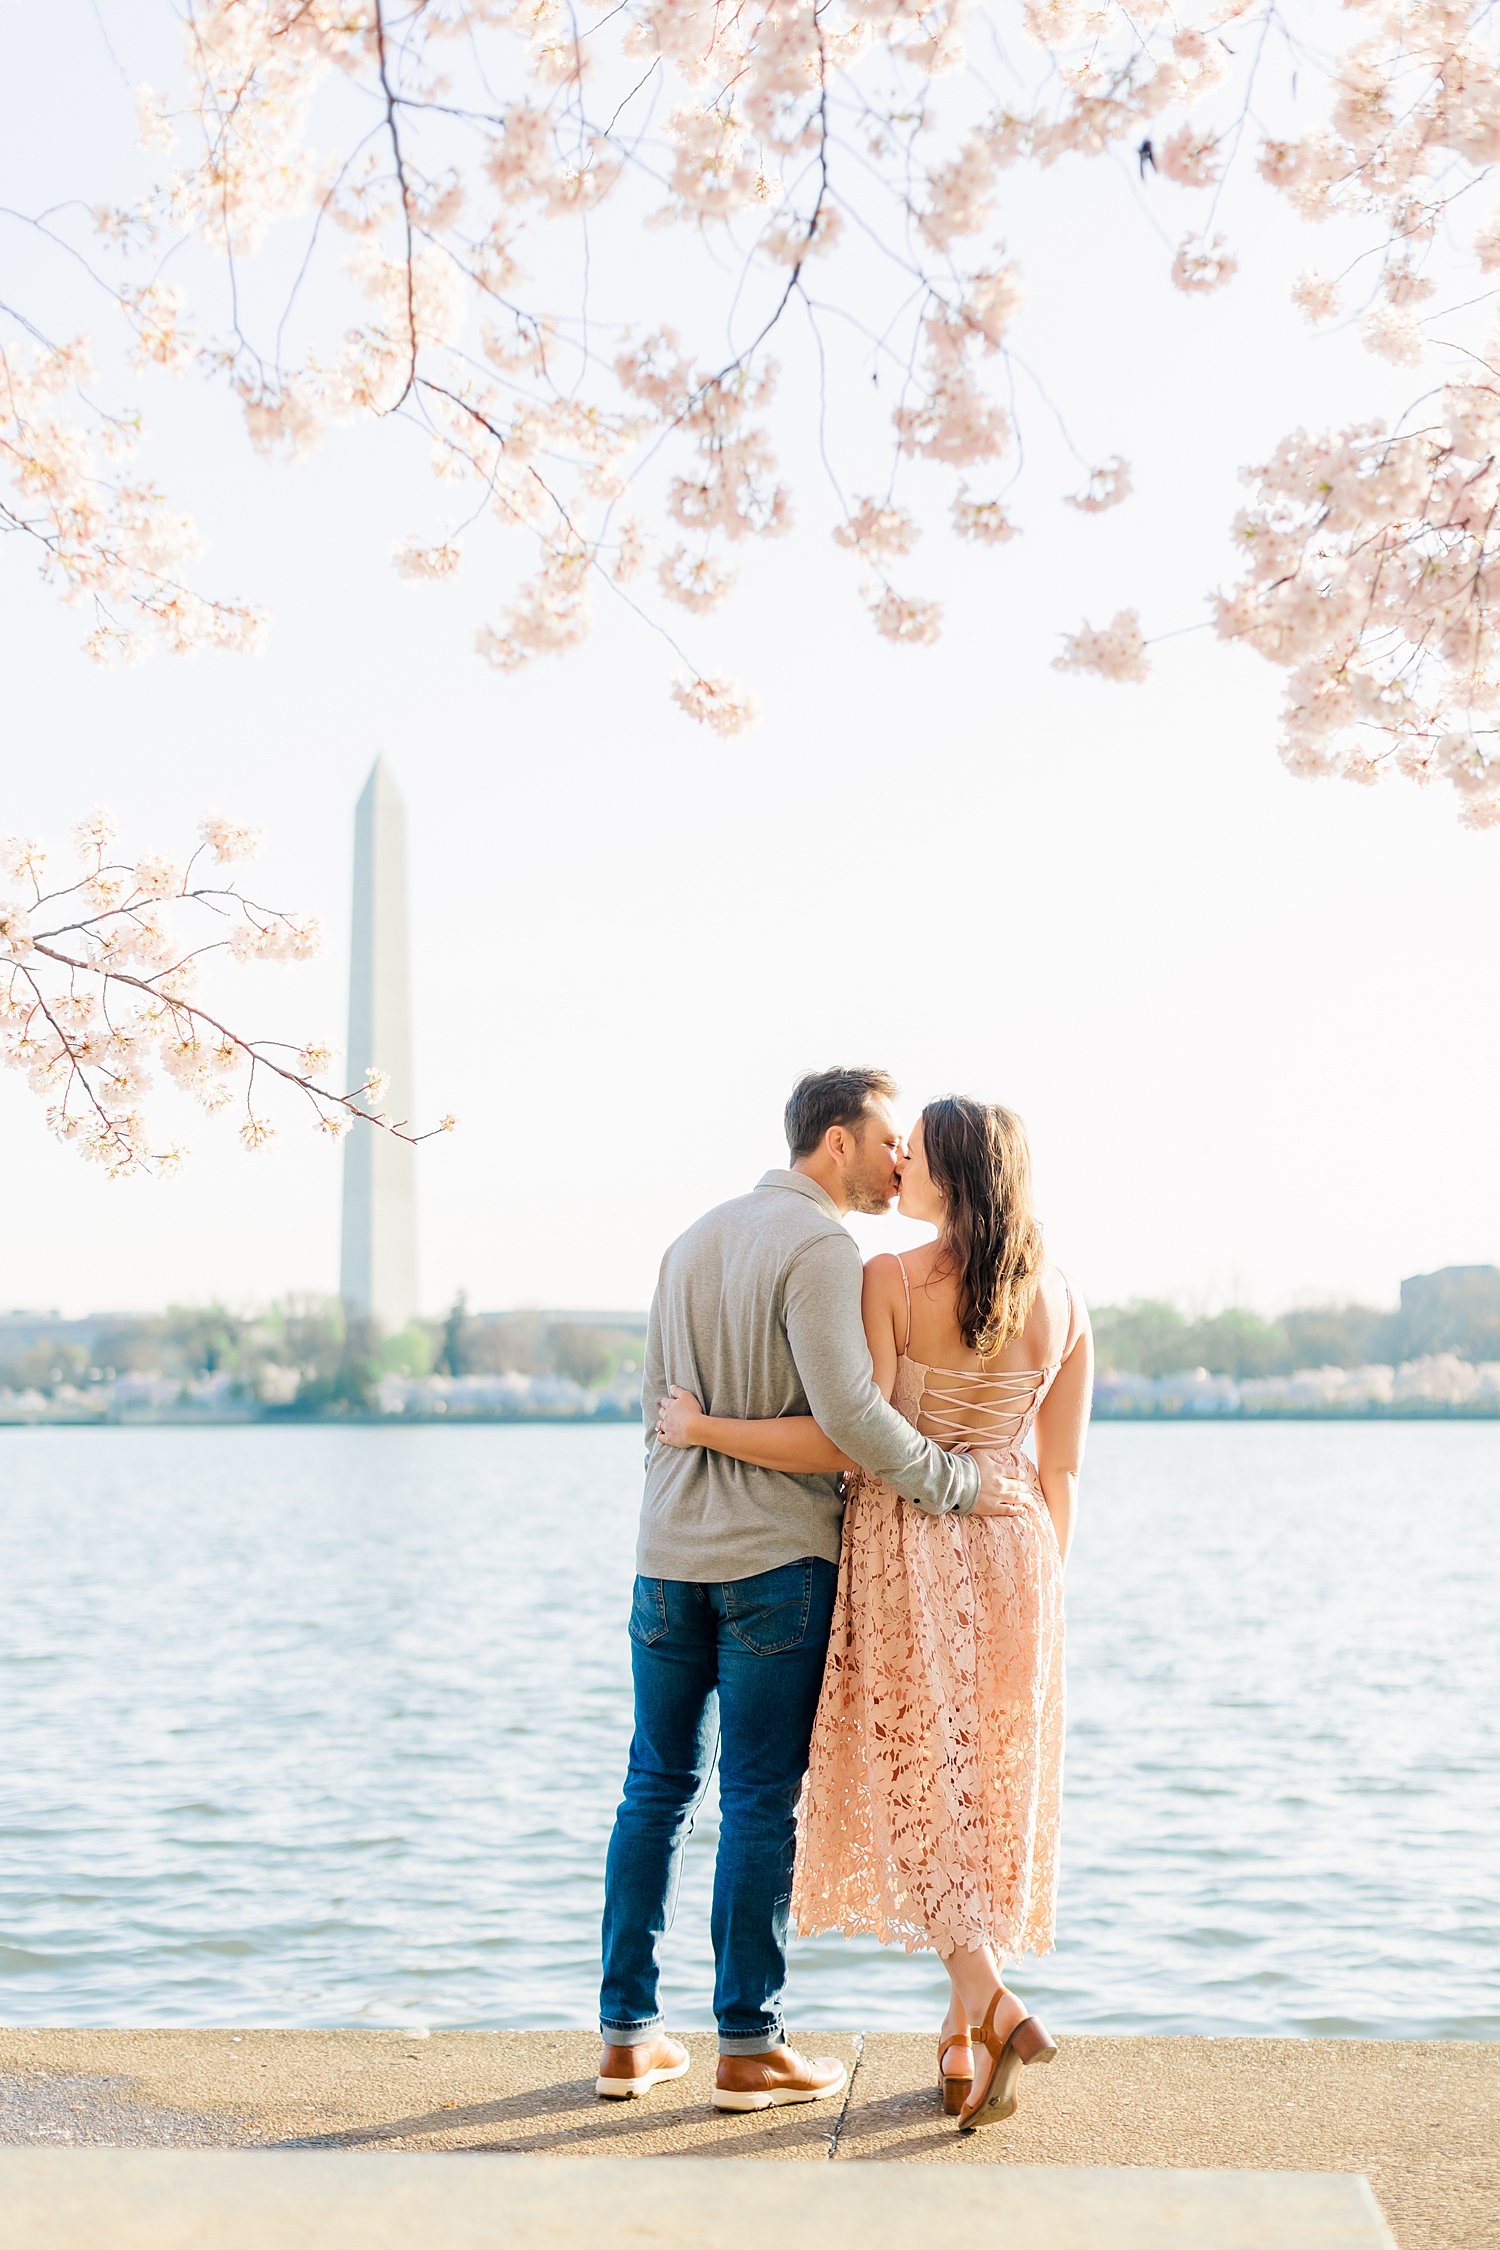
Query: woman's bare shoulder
(883, 1307)
(1058, 1315)
(1062, 1285)
(1080, 1308)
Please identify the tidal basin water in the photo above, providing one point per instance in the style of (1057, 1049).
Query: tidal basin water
(321, 1726)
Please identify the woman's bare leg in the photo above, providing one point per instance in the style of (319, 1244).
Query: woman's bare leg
(956, 2019)
(975, 1977)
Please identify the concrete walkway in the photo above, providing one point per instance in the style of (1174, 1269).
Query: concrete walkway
(1420, 2118)
(303, 2199)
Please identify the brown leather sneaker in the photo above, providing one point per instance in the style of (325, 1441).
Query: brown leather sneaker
(625, 2072)
(782, 2075)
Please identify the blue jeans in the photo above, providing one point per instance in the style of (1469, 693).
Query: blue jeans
(732, 1669)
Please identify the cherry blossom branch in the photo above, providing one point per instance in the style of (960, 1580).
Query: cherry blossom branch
(404, 186)
(130, 952)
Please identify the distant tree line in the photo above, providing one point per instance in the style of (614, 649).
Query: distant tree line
(536, 1343)
(303, 1356)
(1454, 1311)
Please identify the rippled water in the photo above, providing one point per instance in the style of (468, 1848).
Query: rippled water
(327, 1726)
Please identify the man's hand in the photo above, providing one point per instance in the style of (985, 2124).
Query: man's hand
(678, 1416)
(1001, 1492)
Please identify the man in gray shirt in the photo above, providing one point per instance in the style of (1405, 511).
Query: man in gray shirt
(757, 1311)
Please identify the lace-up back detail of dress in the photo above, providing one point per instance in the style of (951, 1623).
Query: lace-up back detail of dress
(992, 1407)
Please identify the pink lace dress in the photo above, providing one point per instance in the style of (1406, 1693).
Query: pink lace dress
(930, 1811)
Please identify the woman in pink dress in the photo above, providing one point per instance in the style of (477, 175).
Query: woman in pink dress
(930, 1812)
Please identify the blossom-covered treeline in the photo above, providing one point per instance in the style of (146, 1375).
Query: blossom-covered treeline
(450, 195)
(101, 991)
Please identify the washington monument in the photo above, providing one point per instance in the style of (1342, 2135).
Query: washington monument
(378, 1260)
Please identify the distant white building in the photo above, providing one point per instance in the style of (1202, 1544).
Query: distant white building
(378, 1259)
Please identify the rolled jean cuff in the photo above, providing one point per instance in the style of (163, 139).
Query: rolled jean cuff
(749, 2042)
(632, 2034)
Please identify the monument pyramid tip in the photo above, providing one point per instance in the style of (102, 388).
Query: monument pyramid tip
(382, 775)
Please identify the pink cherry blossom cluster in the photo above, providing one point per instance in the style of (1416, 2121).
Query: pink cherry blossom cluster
(1203, 262)
(100, 997)
(1116, 651)
(105, 538)
(1108, 485)
(1368, 557)
(479, 174)
(719, 704)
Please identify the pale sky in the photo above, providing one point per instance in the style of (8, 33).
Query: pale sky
(1250, 1021)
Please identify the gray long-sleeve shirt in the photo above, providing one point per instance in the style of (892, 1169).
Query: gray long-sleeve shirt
(757, 1312)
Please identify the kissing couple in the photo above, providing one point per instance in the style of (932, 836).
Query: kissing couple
(849, 1591)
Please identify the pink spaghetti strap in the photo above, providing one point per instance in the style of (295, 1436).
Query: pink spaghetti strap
(906, 1286)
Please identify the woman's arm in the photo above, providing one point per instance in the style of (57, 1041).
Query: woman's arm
(881, 1307)
(792, 1443)
(1061, 1427)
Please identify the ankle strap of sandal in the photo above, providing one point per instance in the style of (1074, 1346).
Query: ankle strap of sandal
(987, 2028)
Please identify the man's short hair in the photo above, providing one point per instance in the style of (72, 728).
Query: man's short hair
(832, 1097)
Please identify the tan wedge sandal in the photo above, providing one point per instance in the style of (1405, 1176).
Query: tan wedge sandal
(1028, 2043)
(955, 2086)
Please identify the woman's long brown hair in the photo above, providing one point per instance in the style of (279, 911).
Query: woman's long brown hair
(980, 1162)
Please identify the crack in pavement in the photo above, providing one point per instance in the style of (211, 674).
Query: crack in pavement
(838, 2125)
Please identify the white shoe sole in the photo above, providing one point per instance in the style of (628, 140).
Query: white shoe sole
(777, 2097)
(628, 2089)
